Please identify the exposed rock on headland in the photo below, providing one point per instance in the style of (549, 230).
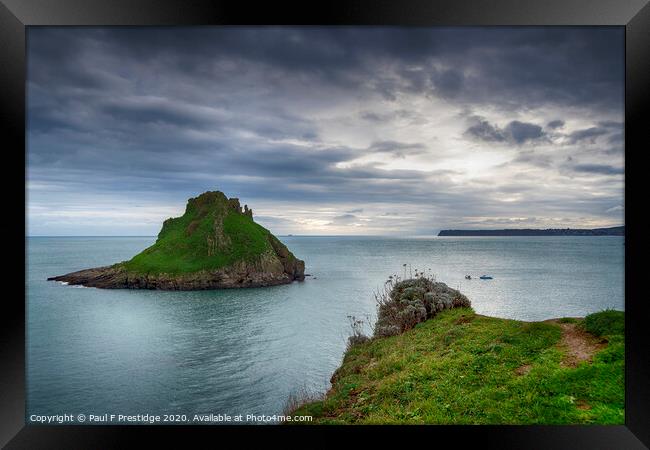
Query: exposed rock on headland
(214, 244)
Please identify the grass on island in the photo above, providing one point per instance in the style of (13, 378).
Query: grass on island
(463, 368)
(182, 244)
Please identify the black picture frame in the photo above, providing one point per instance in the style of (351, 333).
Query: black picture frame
(16, 15)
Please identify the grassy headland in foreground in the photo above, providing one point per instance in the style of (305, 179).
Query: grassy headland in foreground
(458, 367)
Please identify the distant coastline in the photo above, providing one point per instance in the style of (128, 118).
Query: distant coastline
(612, 231)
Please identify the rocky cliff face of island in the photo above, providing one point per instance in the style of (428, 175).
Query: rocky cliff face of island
(214, 244)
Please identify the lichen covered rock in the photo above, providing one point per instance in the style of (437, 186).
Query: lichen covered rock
(406, 303)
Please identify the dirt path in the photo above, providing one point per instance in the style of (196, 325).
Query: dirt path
(578, 344)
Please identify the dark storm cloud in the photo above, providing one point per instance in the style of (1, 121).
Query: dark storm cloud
(515, 132)
(525, 65)
(169, 112)
(156, 111)
(484, 131)
(534, 159)
(611, 132)
(588, 134)
(521, 132)
(600, 169)
(616, 138)
(448, 83)
(528, 67)
(611, 124)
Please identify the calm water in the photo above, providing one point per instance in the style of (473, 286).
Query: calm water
(96, 351)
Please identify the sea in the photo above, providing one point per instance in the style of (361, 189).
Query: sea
(225, 355)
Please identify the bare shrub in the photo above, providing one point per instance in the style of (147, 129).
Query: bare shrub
(300, 398)
(358, 336)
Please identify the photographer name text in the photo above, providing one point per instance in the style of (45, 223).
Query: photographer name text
(163, 418)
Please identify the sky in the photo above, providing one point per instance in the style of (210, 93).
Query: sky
(326, 130)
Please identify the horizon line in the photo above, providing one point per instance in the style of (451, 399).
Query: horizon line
(435, 234)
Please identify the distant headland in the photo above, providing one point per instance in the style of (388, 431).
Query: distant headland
(214, 244)
(612, 231)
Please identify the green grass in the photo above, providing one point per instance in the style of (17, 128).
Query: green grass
(605, 323)
(461, 368)
(183, 243)
(568, 320)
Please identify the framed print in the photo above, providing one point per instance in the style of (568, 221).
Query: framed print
(407, 219)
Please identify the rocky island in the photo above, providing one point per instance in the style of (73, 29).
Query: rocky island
(214, 244)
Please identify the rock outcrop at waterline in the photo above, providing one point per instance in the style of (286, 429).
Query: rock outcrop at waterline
(215, 244)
